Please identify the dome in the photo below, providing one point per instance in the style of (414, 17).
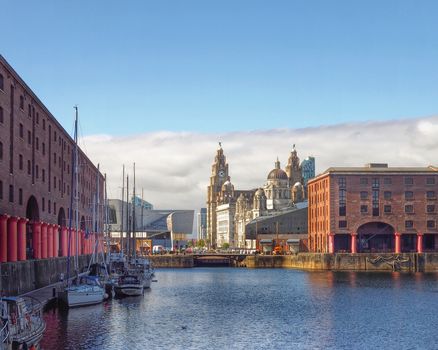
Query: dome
(277, 174)
(298, 185)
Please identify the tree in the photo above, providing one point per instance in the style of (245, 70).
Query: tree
(200, 243)
(225, 245)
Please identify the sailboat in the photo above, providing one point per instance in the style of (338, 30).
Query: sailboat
(86, 290)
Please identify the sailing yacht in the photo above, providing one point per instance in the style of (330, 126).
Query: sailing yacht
(86, 290)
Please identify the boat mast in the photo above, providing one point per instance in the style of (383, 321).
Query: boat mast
(123, 198)
(76, 190)
(134, 245)
(107, 227)
(97, 213)
(128, 235)
(142, 204)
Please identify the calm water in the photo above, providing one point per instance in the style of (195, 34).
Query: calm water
(228, 308)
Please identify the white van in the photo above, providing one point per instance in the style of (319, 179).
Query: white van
(158, 249)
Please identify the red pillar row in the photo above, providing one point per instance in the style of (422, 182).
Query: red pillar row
(50, 241)
(21, 239)
(353, 243)
(55, 240)
(36, 240)
(64, 241)
(419, 242)
(43, 240)
(12, 239)
(331, 243)
(4, 238)
(397, 243)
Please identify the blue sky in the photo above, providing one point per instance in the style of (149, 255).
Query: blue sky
(221, 66)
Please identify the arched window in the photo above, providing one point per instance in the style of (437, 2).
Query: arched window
(2, 82)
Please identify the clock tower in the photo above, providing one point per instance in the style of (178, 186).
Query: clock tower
(219, 174)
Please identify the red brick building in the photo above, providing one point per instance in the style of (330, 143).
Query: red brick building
(375, 208)
(36, 156)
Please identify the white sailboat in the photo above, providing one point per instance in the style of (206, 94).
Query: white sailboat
(86, 290)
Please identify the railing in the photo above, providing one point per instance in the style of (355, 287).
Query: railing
(4, 333)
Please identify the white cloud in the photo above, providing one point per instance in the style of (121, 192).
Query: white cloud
(174, 167)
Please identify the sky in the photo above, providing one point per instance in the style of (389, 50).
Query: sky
(166, 80)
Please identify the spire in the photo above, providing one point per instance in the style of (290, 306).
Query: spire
(277, 164)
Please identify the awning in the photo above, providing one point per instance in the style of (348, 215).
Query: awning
(293, 241)
(266, 241)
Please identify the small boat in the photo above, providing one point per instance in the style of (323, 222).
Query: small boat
(142, 268)
(21, 322)
(129, 285)
(87, 291)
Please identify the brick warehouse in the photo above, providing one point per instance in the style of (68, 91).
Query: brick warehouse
(375, 208)
(36, 155)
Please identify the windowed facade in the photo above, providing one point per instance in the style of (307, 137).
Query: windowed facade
(409, 195)
(2, 82)
(387, 209)
(363, 195)
(409, 181)
(430, 195)
(409, 209)
(430, 208)
(430, 181)
(387, 195)
(431, 223)
(409, 224)
(364, 209)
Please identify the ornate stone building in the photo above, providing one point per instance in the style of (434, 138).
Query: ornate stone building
(230, 210)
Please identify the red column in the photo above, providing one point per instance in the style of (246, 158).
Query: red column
(55, 241)
(397, 243)
(419, 242)
(21, 248)
(12, 239)
(43, 240)
(353, 243)
(3, 238)
(36, 240)
(64, 241)
(81, 238)
(50, 241)
(331, 243)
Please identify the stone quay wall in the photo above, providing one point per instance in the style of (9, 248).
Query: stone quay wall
(406, 262)
(24, 276)
(172, 260)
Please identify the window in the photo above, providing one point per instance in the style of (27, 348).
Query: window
(1, 189)
(54, 182)
(342, 182)
(363, 195)
(38, 118)
(387, 195)
(37, 171)
(20, 196)
(430, 181)
(28, 167)
(409, 224)
(387, 208)
(21, 130)
(376, 208)
(2, 119)
(409, 181)
(430, 223)
(342, 203)
(363, 181)
(376, 183)
(342, 223)
(430, 195)
(44, 204)
(54, 158)
(54, 136)
(409, 195)
(44, 149)
(11, 193)
(364, 208)
(22, 102)
(44, 124)
(2, 83)
(387, 181)
(43, 175)
(1, 151)
(54, 207)
(409, 209)
(49, 206)
(430, 208)
(20, 162)
(29, 137)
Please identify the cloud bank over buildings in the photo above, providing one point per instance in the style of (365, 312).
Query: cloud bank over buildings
(174, 167)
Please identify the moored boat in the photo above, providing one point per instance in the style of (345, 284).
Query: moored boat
(21, 321)
(88, 291)
(129, 285)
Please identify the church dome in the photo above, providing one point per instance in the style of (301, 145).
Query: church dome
(298, 185)
(277, 173)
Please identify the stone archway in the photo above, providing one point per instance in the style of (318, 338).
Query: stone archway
(61, 217)
(375, 237)
(33, 215)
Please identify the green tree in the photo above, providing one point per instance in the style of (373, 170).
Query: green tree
(200, 243)
(225, 245)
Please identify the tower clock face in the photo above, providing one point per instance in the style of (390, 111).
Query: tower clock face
(221, 173)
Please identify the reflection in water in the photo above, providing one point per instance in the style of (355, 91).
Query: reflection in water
(252, 309)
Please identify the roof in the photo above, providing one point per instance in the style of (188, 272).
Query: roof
(377, 169)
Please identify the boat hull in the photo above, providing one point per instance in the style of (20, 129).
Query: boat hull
(128, 290)
(79, 298)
